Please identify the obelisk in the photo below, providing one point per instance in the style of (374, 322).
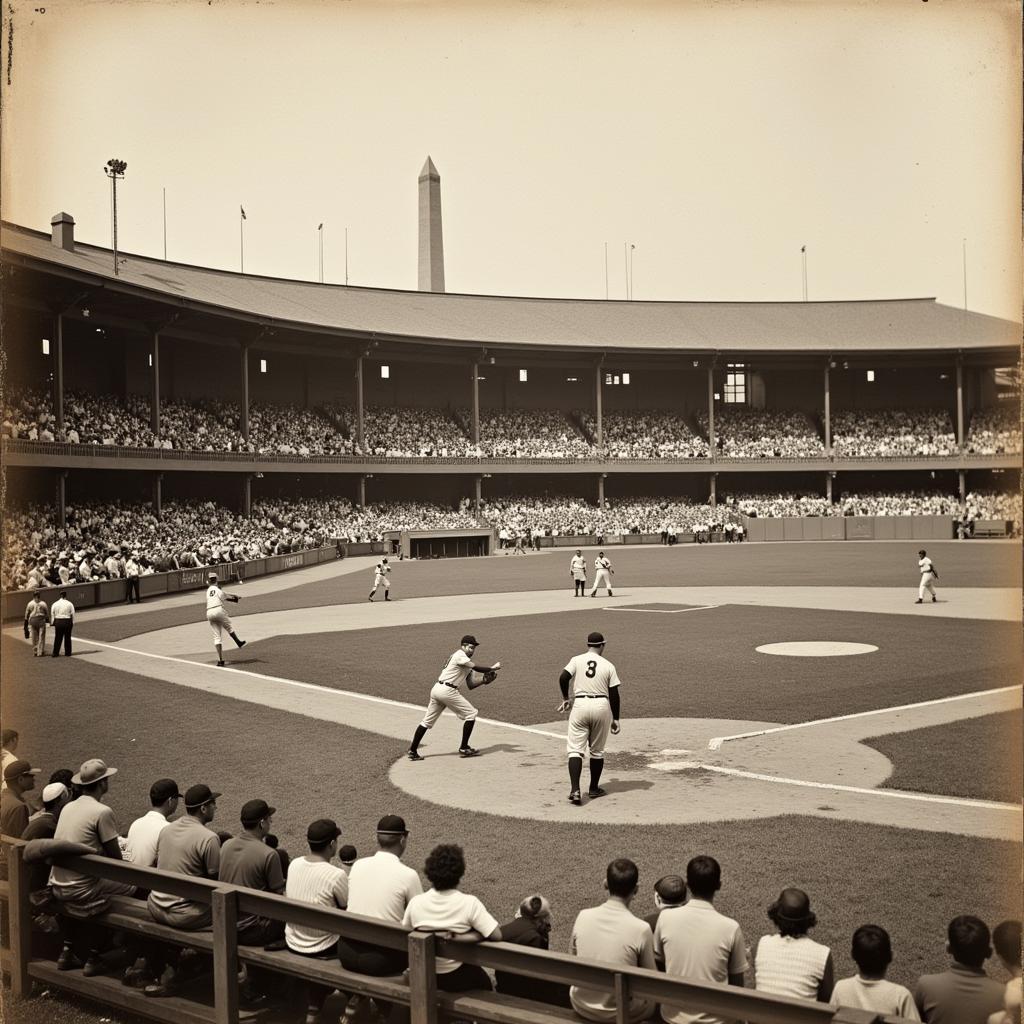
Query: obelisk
(431, 277)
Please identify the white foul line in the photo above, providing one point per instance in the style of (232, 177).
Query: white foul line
(662, 611)
(717, 741)
(311, 686)
(893, 793)
(896, 794)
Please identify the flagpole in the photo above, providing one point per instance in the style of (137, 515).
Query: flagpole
(631, 249)
(346, 256)
(165, 225)
(965, 275)
(625, 260)
(606, 270)
(241, 238)
(803, 256)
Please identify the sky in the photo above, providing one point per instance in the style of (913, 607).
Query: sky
(715, 137)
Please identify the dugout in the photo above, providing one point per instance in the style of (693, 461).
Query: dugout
(445, 543)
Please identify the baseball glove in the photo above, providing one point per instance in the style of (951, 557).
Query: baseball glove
(489, 678)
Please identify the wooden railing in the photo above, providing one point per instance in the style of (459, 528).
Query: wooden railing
(418, 990)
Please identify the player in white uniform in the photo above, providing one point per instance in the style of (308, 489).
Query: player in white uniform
(445, 693)
(381, 576)
(217, 615)
(928, 577)
(593, 712)
(602, 567)
(578, 572)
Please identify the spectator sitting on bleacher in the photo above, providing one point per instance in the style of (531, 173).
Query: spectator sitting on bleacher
(644, 434)
(868, 989)
(745, 433)
(791, 963)
(963, 994)
(143, 833)
(895, 433)
(186, 847)
(89, 822)
(527, 433)
(314, 879)
(453, 915)
(530, 927)
(612, 934)
(20, 777)
(995, 431)
(1006, 939)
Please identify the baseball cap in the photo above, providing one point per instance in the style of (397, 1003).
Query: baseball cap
(16, 769)
(92, 771)
(161, 790)
(470, 639)
(322, 831)
(347, 854)
(211, 576)
(595, 638)
(255, 811)
(196, 796)
(392, 825)
(54, 791)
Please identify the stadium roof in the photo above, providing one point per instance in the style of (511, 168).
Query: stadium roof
(920, 324)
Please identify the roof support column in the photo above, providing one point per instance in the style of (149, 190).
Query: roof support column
(598, 395)
(477, 494)
(962, 484)
(58, 380)
(62, 498)
(360, 412)
(600, 489)
(247, 495)
(713, 490)
(243, 398)
(362, 490)
(960, 401)
(829, 476)
(158, 495)
(154, 401)
(711, 414)
(828, 413)
(475, 403)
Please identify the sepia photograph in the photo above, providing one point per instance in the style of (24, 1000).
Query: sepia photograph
(653, 368)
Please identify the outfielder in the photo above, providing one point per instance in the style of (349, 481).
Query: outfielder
(929, 575)
(445, 693)
(578, 572)
(382, 575)
(593, 711)
(217, 615)
(602, 567)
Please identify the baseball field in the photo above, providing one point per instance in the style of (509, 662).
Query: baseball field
(786, 708)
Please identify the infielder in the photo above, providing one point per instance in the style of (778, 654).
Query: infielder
(445, 693)
(217, 615)
(929, 575)
(578, 573)
(593, 711)
(602, 567)
(382, 575)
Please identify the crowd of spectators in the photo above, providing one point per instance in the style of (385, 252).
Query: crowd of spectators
(745, 433)
(995, 431)
(404, 432)
(527, 433)
(644, 434)
(686, 936)
(892, 433)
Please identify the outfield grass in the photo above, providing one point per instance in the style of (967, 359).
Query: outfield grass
(849, 563)
(912, 882)
(978, 758)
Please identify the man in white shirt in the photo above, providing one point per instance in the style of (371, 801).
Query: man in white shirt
(578, 573)
(928, 577)
(132, 571)
(143, 833)
(445, 693)
(593, 708)
(62, 618)
(613, 935)
(698, 943)
(217, 616)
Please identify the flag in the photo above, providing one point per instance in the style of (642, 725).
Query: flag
(242, 208)
(319, 227)
(803, 248)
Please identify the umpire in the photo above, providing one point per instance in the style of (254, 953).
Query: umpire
(593, 708)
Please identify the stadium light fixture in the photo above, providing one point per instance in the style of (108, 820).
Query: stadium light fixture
(46, 346)
(625, 378)
(524, 376)
(871, 376)
(263, 366)
(385, 371)
(114, 169)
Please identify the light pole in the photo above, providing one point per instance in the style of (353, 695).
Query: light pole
(632, 249)
(114, 169)
(320, 238)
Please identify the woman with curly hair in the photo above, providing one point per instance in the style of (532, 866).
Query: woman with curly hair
(791, 963)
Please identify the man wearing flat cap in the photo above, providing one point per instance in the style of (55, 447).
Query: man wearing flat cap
(90, 822)
(20, 777)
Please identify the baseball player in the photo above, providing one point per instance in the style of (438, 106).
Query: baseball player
(382, 575)
(217, 615)
(929, 574)
(593, 711)
(578, 572)
(445, 693)
(602, 567)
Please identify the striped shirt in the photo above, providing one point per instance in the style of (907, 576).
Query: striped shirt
(790, 965)
(314, 881)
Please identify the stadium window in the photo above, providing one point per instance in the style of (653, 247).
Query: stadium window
(46, 346)
(735, 384)
(524, 376)
(150, 358)
(385, 372)
(263, 366)
(871, 376)
(607, 378)
(718, 397)
(625, 378)
(572, 380)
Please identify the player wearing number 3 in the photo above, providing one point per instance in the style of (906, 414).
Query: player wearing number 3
(445, 693)
(593, 713)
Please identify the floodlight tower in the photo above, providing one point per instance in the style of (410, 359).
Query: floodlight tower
(114, 169)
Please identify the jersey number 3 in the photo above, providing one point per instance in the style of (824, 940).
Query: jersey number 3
(591, 669)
